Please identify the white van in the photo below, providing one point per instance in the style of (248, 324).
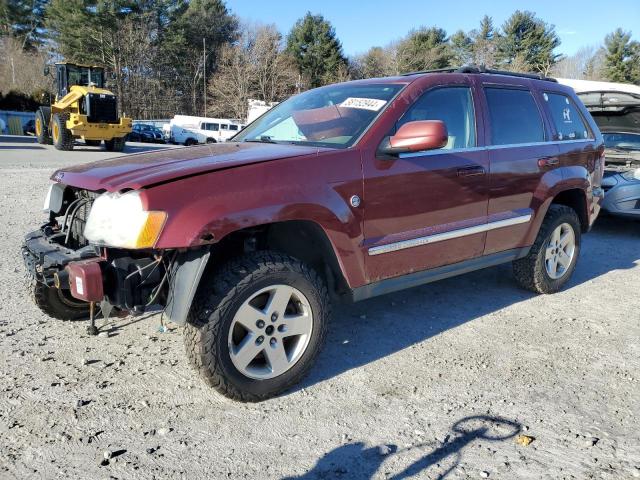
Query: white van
(189, 130)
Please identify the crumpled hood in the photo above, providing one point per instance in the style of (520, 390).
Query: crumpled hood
(150, 168)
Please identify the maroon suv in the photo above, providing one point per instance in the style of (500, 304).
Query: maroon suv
(343, 192)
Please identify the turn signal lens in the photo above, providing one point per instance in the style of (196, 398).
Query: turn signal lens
(151, 229)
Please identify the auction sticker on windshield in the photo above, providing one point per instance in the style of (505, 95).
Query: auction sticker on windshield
(364, 103)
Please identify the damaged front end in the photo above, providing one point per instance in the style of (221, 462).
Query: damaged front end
(74, 253)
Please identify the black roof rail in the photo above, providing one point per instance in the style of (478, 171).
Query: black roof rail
(483, 69)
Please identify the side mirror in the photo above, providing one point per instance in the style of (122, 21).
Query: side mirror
(46, 71)
(416, 137)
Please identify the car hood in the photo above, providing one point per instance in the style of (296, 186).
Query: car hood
(151, 168)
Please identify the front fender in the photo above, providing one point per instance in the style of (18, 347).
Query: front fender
(203, 209)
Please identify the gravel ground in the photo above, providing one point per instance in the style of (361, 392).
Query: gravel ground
(437, 382)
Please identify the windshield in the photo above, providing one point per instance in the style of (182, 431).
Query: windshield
(80, 76)
(333, 116)
(622, 141)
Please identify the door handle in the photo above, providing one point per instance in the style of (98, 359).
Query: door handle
(548, 162)
(471, 171)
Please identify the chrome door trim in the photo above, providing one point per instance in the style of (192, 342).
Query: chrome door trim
(439, 237)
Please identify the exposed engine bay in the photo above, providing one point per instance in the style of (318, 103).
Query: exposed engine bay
(59, 256)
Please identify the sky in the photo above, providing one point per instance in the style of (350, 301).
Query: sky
(363, 24)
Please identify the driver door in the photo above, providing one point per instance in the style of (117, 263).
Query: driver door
(420, 207)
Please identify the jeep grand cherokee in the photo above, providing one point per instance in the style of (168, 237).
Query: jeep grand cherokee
(343, 192)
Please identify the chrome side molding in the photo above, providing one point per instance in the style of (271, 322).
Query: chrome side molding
(439, 237)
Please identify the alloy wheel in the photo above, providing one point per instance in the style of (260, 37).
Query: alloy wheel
(270, 332)
(560, 251)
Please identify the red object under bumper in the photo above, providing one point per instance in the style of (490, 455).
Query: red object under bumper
(85, 280)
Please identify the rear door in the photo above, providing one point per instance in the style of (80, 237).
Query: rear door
(520, 153)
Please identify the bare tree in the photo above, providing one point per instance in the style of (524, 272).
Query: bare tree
(22, 70)
(585, 64)
(256, 68)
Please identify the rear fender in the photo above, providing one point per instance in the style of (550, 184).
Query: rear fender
(552, 184)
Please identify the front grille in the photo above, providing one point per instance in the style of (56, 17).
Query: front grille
(77, 218)
(102, 108)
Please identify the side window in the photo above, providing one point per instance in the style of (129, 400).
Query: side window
(566, 117)
(514, 116)
(233, 127)
(224, 126)
(452, 105)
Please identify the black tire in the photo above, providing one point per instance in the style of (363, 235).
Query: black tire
(42, 128)
(211, 140)
(115, 144)
(530, 272)
(217, 300)
(190, 141)
(93, 143)
(62, 137)
(58, 303)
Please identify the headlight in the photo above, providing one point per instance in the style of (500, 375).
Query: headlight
(53, 200)
(119, 220)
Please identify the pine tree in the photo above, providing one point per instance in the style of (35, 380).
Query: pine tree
(527, 43)
(461, 48)
(620, 56)
(424, 49)
(23, 19)
(316, 50)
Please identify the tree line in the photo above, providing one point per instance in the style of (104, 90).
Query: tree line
(197, 57)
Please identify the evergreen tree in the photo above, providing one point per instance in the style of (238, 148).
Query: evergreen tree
(23, 19)
(316, 50)
(424, 49)
(527, 43)
(621, 55)
(461, 48)
(484, 46)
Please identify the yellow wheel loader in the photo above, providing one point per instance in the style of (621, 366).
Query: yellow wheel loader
(82, 109)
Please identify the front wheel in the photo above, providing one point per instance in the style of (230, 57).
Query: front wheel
(256, 326)
(62, 136)
(115, 144)
(553, 256)
(58, 303)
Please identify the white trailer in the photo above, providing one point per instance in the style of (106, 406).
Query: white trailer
(189, 130)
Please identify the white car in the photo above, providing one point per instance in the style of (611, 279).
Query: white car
(189, 130)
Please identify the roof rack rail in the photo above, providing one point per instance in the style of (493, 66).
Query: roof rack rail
(483, 69)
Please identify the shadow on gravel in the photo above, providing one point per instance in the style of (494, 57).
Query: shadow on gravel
(364, 332)
(355, 461)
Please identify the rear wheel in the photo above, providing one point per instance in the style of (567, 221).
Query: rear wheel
(211, 140)
(190, 141)
(93, 143)
(42, 130)
(115, 144)
(553, 256)
(256, 327)
(62, 137)
(58, 303)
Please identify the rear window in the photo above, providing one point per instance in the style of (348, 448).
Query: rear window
(566, 117)
(514, 116)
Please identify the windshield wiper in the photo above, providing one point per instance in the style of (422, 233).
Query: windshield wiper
(262, 139)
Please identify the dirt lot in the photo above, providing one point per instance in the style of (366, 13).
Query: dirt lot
(435, 382)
